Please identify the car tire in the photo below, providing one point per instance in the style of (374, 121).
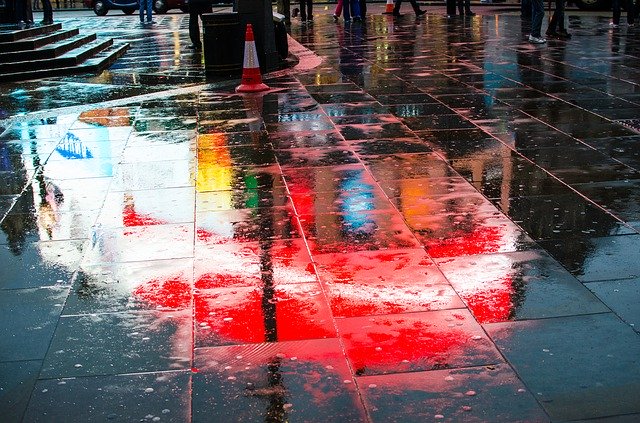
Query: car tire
(99, 8)
(160, 7)
(128, 11)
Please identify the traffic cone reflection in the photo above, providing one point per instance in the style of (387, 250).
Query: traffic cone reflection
(251, 78)
(389, 8)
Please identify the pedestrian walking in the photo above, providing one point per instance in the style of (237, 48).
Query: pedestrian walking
(47, 12)
(464, 8)
(337, 11)
(351, 8)
(196, 9)
(146, 6)
(414, 4)
(558, 21)
(306, 11)
(537, 14)
(628, 5)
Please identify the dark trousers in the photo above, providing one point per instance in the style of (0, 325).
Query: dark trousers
(195, 12)
(537, 14)
(363, 8)
(464, 6)
(306, 10)
(451, 7)
(628, 4)
(557, 20)
(47, 11)
(414, 4)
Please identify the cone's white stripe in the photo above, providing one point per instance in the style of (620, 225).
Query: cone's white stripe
(250, 55)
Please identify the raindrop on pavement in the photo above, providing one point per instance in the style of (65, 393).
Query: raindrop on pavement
(148, 390)
(470, 393)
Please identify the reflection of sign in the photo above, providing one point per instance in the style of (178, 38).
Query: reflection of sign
(71, 148)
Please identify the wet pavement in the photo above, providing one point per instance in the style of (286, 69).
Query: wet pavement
(424, 220)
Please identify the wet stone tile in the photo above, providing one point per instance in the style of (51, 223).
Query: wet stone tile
(410, 166)
(254, 181)
(595, 259)
(561, 360)
(38, 264)
(321, 124)
(264, 313)
(451, 395)
(415, 341)
(390, 146)
(621, 297)
(305, 182)
(383, 282)
(306, 139)
(246, 225)
(249, 264)
(33, 314)
(354, 108)
(141, 397)
(460, 136)
(415, 110)
(294, 381)
(90, 133)
(162, 111)
(389, 129)
(152, 139)
(516, 286)
(152, 175)
(307, 157)
(144, 285)
(409, 98)
(17, 380)
(356, 231)
(617, 197)
(243, 155)
(459, 235)
(253, 197)
(415, 190)
(356, 198)
(109, 344)
(568, 215)
(253, 123)
(139, 243)
(437, 122)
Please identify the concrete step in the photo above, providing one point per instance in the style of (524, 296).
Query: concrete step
(32, 43)
(70, 58)
(96, 62)
(9, 33)
(47, 52)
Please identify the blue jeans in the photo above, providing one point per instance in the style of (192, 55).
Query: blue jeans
(537, 13)
(349, 7)
(146, 5)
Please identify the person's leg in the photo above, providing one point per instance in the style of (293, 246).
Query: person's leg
(416, 8)
(363, 8)
(346, 8)
(630, 14)
(47, 12)
(396, 7)
(338, 10)
(537, 14)
(303, 10)
(467, 8)
(194, 28)
(310, 11)
(616, 12)
(451, 7)
(142, 9)
(149, 10)
(355, 10)
(553, 23)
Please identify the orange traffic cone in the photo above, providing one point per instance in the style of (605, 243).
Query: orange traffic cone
(389, 8)
(251, 79)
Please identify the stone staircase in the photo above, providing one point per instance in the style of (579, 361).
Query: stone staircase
(48, 50)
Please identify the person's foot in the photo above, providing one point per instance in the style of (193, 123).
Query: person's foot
(420, 12)
(613, 25)
(335, 18)
(46, 22)
(632, 25)
(469, 13)
(536, 40)
(357, 19)
(552, 34)
(396, 12)
(151, 22)
(196, 47)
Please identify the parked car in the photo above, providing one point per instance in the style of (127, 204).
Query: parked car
(102, 7)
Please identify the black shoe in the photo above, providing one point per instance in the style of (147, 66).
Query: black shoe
(46, 22)
(420, 12)
(552, 34)
(396, 13)
(469, 13)
(196, 47)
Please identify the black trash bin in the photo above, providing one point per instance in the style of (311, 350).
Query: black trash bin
(223, 44)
